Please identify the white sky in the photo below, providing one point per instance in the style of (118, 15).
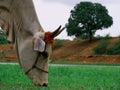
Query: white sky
(52, 13)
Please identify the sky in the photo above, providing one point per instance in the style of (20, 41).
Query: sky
(52, 13)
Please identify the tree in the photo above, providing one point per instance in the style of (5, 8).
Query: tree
(86, 18)
(3, 38)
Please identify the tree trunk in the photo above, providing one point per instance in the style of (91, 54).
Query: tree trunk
(90, 39)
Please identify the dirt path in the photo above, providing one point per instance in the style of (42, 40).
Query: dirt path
(71, 65)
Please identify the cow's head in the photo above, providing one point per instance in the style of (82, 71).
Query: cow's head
(37, 69)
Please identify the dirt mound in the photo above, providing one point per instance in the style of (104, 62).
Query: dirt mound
(70, 51)
(81, 52)
(7, 53)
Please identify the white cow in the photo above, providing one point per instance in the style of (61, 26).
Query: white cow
(33, 46)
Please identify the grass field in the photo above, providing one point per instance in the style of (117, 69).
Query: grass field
(63, 78)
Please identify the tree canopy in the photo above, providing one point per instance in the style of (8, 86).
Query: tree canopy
(86, 18)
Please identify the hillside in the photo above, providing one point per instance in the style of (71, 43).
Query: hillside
(81, 52)
(70, 51)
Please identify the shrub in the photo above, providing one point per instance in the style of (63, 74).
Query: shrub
(107, 36)
(102, 47)
(3, 37)
(58, 43)
(114, 49)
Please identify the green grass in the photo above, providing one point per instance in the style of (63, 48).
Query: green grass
(63, 78)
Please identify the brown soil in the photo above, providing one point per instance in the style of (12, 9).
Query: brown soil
(81, 52)
(7, 53)
(70, 51)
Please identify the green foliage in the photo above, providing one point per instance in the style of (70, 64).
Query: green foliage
(107, 48)
(114, 49)
(86, 18)
(63, 78)
(58, 43)
(101, 47)
(98, 37)
(3, 38)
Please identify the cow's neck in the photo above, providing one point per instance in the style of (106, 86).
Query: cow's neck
(26, 16)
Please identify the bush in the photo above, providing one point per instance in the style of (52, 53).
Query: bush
(114, 49)
(102, 47)
(3, 37)
(107, 36)
(58, 43)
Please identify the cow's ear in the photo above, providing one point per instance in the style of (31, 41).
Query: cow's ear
(39, 44)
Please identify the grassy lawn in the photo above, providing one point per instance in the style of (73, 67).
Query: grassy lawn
(63, 78)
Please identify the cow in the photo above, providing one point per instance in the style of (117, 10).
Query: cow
(33, 45)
